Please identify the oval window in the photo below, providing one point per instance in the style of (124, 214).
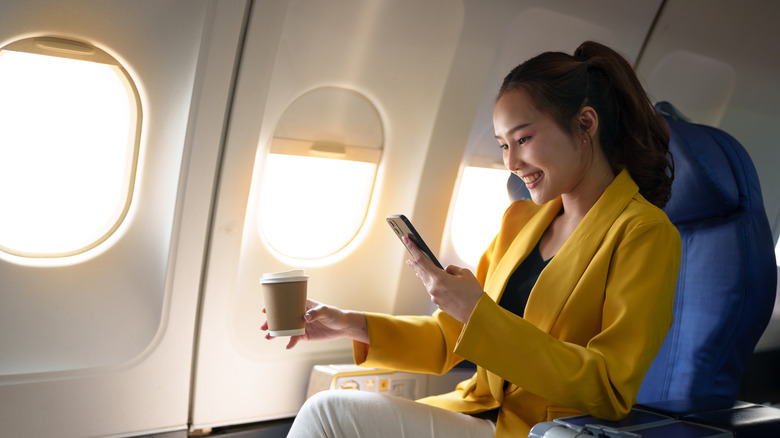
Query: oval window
(69, 136)
(319, 173)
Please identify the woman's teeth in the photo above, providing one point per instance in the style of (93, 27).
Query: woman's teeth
(531, 178)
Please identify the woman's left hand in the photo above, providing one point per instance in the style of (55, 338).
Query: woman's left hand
(454, 290)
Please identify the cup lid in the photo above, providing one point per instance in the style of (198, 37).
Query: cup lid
(284, 277)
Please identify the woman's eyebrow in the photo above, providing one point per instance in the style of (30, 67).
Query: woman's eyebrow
(515, 129)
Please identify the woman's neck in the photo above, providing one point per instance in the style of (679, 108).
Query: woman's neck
(579, 202)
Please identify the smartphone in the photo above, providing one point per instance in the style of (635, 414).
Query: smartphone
(403, 227)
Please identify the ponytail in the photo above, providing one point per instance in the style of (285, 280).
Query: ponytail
(632, 134)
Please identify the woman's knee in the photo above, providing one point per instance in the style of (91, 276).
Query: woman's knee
(334, 401)
(329, 414)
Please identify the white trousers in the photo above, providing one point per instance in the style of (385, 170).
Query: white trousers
(359, 414)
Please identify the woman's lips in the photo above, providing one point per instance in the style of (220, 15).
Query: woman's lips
(532, 179)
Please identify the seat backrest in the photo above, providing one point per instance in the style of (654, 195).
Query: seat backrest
(516, 189)
(728, 275)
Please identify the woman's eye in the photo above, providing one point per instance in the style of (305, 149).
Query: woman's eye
(520, 142)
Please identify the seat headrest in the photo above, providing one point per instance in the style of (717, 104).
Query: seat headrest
(516, 188)
(704, 185)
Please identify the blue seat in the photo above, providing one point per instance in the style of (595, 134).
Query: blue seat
(516, 189)
(728, 275)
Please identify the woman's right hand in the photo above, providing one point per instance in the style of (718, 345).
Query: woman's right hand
(324, 323)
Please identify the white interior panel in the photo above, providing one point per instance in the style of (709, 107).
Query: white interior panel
(700, 87)
(67, 314)
(100, 344)
(395, 54)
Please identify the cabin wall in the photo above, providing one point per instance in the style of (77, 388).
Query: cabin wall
(158, 329)
(101, 344)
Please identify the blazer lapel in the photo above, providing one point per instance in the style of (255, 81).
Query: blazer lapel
(558, 279)
(519, 249)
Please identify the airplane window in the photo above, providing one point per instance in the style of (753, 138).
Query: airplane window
(69, 122)
(777, 253)
(319, 173)
(315, 205)
(479, 206)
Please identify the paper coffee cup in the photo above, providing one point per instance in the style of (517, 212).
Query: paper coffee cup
(284, 294)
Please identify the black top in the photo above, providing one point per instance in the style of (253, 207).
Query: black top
(519, 286)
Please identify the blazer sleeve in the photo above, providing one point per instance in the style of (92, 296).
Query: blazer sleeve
(601, 376)
(422, 344)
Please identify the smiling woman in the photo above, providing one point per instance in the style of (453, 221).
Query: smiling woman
(69, 122)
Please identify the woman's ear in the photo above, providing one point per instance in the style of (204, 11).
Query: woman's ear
(588, 121)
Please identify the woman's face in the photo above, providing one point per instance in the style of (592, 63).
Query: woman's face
(550, 161)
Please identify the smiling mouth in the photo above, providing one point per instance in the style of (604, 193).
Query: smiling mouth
(532, 177)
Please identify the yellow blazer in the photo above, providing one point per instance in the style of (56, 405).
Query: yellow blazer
(594, 321)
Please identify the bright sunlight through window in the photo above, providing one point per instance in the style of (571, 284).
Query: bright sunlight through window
(312, 207)
(479, 206)
(67, 145)
(777, 253)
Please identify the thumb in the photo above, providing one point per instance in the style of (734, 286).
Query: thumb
(455, 270)
(315, 313)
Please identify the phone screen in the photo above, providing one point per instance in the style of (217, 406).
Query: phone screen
(403, 227)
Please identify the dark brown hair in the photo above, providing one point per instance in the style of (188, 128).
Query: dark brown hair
(631, 133)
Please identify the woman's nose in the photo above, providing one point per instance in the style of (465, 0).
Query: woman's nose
(512, 159)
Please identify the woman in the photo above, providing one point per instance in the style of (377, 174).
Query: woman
(573, 298)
